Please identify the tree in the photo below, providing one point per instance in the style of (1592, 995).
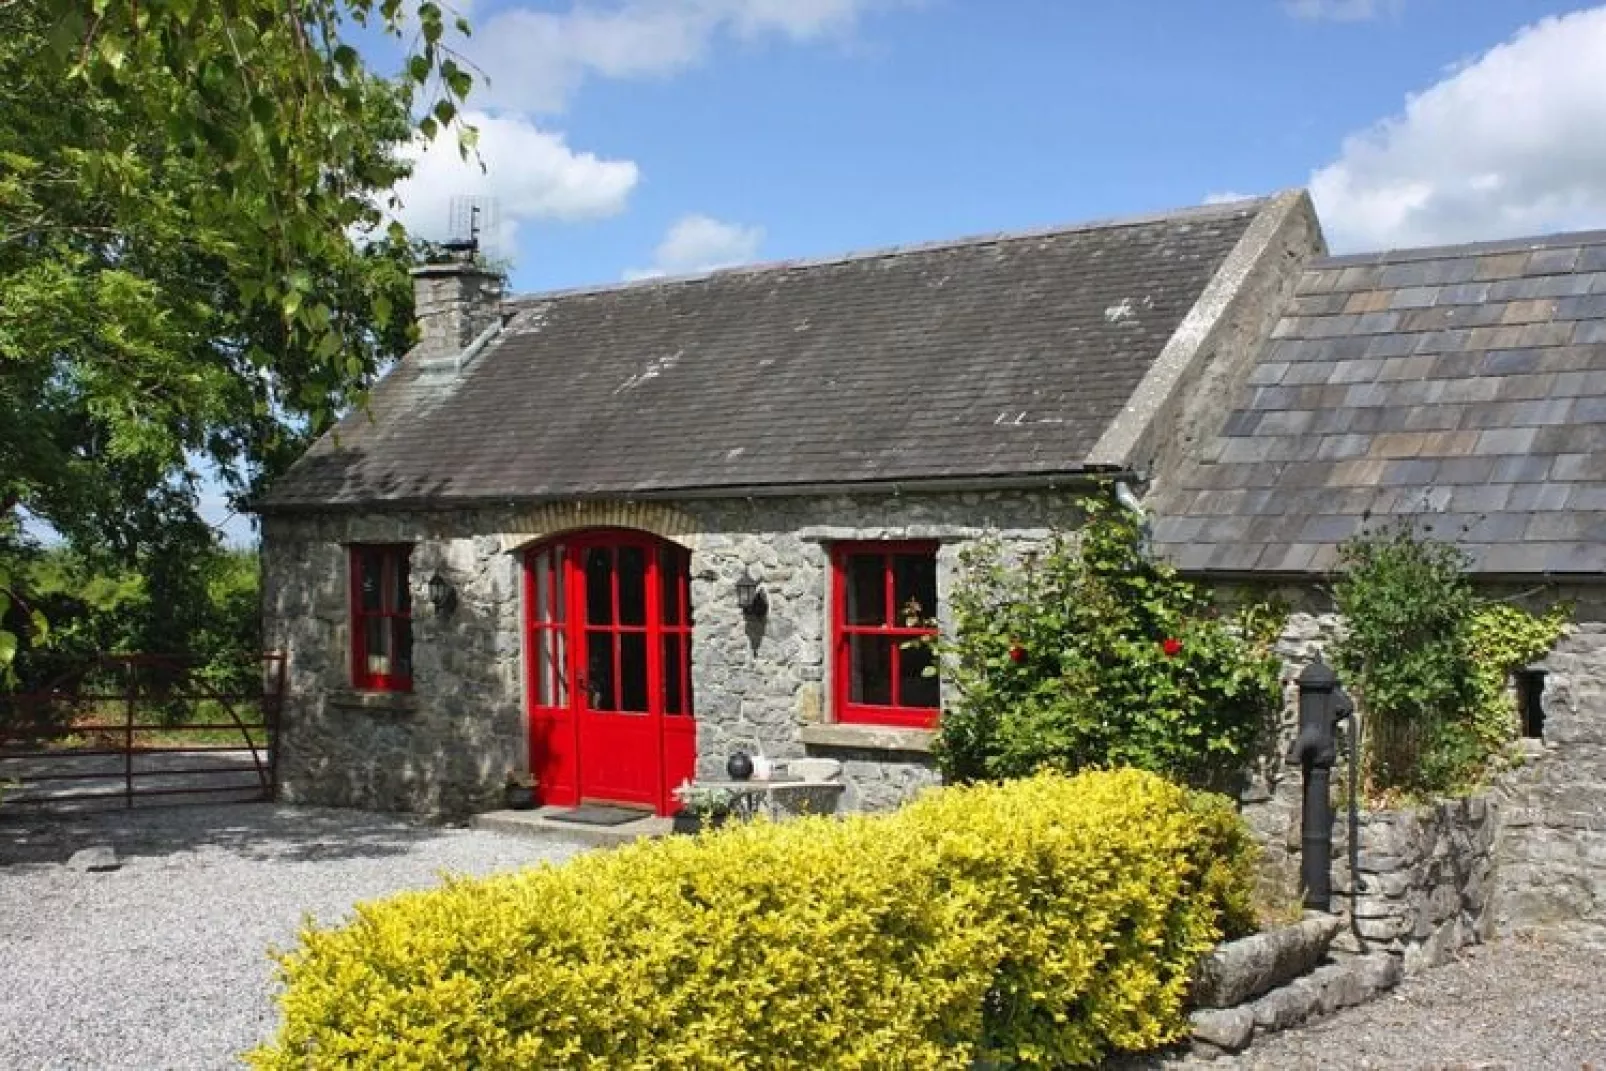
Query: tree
(193, 263)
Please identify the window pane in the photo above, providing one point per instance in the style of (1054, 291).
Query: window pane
(870, 669)
(560, 642)
(599, 671)
(633, 671)
(673, 670)
(914, 585)
(404, 646)
(545, 640)
(541, 585)
(370, 579)
(915, 689)
(599, 586)
(376, 644)
(560, 608)
(867, 589)
(401, 596)
(670, 577)
(632, 586)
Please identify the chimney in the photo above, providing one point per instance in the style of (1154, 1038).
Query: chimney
(454, 303)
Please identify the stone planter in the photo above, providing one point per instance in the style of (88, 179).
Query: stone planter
(692, 822)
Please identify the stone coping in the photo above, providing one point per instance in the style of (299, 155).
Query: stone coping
(869, 737)
(395, 703)
(754, 786)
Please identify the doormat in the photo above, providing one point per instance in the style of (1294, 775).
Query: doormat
(597, 814)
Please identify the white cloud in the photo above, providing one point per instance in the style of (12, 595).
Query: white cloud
(1507, 144)
(1340, 10)
(536, 59)
(532, 173)
(1227, 197)
(699, 243)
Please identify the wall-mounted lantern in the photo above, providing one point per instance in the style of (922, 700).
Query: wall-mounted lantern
(750, 598)
(442, 596)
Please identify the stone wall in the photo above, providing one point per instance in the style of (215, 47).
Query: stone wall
(1426, 880)
(760, 685)
(1552, 849)
(1528, 855)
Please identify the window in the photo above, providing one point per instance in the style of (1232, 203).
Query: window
(1530, 682)
(381, 619)
(884, 605)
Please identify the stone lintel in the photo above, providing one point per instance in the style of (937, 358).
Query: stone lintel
(869, 737)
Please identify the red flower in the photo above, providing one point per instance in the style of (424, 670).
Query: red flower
(1017, 653)
(1171, 646)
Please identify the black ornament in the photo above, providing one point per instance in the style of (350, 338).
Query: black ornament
(739, 766)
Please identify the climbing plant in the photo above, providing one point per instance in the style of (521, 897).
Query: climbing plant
(1090, 653)
(1430, 660)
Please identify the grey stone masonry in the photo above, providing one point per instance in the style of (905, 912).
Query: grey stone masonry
(1426, 878)
(1552, 849)
(1526, 856)
(453, 304)
(758, 685)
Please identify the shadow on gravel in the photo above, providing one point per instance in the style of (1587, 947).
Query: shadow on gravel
(251, 831)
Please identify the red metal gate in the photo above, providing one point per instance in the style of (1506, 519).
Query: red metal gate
(127, 729)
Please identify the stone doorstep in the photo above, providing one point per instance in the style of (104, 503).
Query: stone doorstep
(537, 825)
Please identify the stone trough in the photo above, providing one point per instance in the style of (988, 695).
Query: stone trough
(1277, 979)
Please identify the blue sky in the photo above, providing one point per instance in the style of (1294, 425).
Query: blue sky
(625, 137)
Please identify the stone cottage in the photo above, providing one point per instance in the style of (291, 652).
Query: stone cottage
(611, 535)
(1462, 390)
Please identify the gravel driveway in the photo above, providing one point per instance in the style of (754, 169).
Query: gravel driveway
(1512, 1005)
(162, 964)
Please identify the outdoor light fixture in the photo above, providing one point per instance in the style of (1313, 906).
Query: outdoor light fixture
(442, 595)
(750, 597)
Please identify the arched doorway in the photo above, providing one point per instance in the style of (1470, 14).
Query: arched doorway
(608, 668)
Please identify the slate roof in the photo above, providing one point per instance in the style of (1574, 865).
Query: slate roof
(1000, 356)
(1463, 388)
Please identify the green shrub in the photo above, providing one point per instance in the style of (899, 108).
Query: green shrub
(1430, 661)
(1043, 922)
(1091, 654)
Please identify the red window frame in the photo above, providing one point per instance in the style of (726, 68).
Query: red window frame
(895, 712)
(394, 575)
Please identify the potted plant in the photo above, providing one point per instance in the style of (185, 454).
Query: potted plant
(701, 807)
(518, 791)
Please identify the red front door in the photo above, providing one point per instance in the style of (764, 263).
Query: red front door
(609, 669)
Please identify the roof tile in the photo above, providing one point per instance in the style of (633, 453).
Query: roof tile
(1481, 416)
(969, 359)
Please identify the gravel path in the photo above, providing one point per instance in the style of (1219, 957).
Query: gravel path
(1512, 1005)
(162, 964)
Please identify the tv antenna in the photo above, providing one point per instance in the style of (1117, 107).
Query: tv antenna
(475, 221)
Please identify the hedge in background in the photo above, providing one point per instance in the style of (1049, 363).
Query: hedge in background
(1044, 922)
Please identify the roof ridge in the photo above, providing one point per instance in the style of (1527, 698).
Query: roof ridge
(1408, 254)
(1205, 211)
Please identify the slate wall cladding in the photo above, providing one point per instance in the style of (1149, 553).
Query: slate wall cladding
(447, 746)
(1529, 855)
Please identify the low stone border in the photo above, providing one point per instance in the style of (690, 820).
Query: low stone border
(1274, 980)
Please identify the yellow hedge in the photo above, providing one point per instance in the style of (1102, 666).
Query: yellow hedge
(1042, 922)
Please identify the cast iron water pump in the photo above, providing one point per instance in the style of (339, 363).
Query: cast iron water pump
(1322, 705)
